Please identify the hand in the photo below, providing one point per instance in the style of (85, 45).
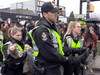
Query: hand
(92, 32)
(66, 58)
(6, 25)
(12, 48)
(27, 46)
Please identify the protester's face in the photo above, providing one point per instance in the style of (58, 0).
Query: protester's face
(17, 36)
(11, 25)
(5, 22)
(59, 23)
(91, 28)
(64, 26)
(51, 16)
(77, 28)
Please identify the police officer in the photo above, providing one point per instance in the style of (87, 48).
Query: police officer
(74, 45)
(14, 66)
(2, 41)
(47, 43)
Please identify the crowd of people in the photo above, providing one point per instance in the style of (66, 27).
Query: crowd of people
(54, 45)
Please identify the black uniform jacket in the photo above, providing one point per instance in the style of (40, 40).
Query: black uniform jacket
(48, 56)
(9, 59)
(66, 48)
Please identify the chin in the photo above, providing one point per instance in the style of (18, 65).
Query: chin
(19, 40)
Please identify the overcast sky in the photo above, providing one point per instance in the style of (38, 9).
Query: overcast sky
(71, 5)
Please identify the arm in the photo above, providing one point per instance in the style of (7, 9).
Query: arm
(10, 59)
(45, 45)
(70, 50)
(95, 37)
(65, 47)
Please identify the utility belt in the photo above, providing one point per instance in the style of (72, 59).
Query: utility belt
(39, 69)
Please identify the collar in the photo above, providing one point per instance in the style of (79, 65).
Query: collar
(77, 38)
(45, 23)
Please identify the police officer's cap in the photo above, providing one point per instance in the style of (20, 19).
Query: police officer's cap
(48, 7)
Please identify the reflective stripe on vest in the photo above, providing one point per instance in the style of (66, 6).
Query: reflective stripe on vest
(16, 45)
(19, 47)
(72, 44)
(1, 44)
(35, 48)
(56, 39)
(1, 41)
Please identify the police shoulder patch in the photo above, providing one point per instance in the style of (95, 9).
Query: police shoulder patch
(44, 36)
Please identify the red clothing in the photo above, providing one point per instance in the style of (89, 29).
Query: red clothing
(95, 37)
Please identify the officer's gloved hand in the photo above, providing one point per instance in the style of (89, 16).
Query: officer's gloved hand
(73, 50)
(82, 50)
(70, 60)
(77, 50)
(24, 54)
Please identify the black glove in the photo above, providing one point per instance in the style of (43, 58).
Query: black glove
(70, 60)
(73, 50)
(77, 50)
(83, 49)
(90, 46)
(24, 54)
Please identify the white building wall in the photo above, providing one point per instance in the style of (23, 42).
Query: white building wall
(63, 19)
(30, 5)
(33, 5)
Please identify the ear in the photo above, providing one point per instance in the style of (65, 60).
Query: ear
(44, 14)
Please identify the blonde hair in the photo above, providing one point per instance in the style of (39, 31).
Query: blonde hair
(14, 30)
(70, 26)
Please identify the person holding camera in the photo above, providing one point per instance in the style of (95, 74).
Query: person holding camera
(5, 28)
(90, 36)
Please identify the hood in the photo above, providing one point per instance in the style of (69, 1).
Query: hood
(45, 23)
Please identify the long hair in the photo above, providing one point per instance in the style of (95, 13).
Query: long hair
(88, 34)
(70, 26)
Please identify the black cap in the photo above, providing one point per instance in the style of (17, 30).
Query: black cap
(48, 7)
